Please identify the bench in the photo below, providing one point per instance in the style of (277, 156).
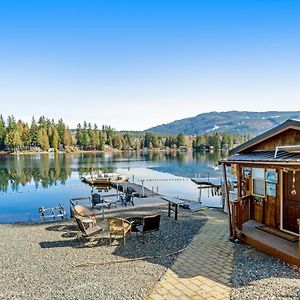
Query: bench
(175, 202)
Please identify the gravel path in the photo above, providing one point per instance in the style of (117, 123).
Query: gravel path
(260, 276)
(37, 261)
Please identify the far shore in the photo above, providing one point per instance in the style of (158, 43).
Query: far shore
(101, 151)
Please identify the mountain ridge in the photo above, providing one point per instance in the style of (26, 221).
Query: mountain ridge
(234, 121)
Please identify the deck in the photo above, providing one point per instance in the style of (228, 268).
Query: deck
(270, 244)
(137, 188)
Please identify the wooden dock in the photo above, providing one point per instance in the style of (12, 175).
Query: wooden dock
(211, 182)
(140, 190)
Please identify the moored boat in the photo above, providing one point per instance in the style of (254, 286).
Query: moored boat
(103, 178)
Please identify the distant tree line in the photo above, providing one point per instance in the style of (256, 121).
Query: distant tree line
(45, 135)
(39, 135)
(219, 140)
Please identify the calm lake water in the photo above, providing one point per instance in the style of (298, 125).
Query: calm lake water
(28, 182)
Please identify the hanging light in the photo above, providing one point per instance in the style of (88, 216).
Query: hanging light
(293, 191)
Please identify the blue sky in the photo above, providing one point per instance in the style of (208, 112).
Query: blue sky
(135, 64)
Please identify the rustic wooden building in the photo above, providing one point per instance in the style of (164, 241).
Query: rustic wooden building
(266, 213)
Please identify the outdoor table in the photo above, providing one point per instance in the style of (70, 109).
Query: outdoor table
(175, 202)
(135, 221)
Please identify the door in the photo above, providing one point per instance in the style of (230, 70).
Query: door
(291, 201)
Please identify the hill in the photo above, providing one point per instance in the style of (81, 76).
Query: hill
(238, 122)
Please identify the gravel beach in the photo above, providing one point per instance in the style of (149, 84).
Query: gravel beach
(259, 276)
(38, 261)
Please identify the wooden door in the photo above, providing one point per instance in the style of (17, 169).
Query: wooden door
(291, 201)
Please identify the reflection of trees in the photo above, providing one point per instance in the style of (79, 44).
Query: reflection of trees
(41, 170)
(93, 169)
(209, 157)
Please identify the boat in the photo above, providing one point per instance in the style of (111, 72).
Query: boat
(95, 178)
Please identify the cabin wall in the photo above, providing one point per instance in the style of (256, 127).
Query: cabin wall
(264, 209)
(286, 138)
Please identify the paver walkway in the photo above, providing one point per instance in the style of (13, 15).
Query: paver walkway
(203, 270)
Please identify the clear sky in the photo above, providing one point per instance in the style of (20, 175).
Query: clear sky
(134, 64)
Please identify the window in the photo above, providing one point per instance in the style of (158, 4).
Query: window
(258, 176)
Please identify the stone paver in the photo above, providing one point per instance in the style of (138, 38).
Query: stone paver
(203, 270)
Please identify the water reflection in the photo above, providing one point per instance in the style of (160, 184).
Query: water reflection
(48, 170)
(28, 182)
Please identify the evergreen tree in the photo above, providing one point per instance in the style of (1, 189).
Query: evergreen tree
(67, 139)
(55, 139)
(34, 129)
(61, 129)
(79, 136)
(43, 139)
(2, 133)
(13, 139)
(180, 140)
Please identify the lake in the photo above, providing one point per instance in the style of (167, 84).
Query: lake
(30, 181)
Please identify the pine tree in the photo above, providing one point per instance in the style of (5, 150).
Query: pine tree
(67, 139)
(26, 140)
(2, 133)
(79, 136)
(61, 129)
(43, 139)
(55, 139)
(180, 140)
(34, 132)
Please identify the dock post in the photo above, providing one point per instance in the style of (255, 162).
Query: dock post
(143, 191)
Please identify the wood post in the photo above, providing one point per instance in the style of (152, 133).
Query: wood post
(298, 221)
(227, 201)
(234, 205)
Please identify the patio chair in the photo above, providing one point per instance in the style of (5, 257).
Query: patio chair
(118, 227)
(83, 211)
(128, 197)
(97, 199)
(86, 227)
(150, 225)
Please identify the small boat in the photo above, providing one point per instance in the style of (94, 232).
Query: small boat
(103, 178)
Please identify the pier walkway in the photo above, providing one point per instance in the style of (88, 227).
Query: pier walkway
(135, 187)
(203, 270)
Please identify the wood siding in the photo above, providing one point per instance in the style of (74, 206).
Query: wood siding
(286, 138)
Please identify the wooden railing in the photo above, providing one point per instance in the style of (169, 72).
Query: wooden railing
(240, 213)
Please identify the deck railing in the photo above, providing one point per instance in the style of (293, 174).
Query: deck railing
(240, 209)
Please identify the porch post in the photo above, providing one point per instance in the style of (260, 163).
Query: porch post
(227, 200)
(234, 205)
(298, 221)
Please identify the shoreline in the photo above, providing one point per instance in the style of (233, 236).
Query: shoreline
(111, 151)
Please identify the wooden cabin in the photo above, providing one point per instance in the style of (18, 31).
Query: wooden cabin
(266, 211)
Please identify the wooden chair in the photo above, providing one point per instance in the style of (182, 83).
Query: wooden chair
(83, 211)
(150, 225)
(96, 199)
(85, 228)
(128, 197)
(118, 227)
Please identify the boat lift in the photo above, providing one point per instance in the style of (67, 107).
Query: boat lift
(53, 212)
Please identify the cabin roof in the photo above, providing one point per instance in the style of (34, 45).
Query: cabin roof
(264, 156)
(289, 124)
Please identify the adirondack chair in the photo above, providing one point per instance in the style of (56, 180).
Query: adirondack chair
(98, 200)
(128, 197)
(86, 227)
(83, 211)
